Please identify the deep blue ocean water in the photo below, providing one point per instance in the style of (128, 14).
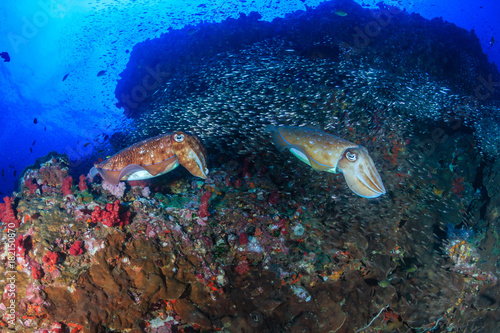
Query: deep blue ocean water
(65, 59)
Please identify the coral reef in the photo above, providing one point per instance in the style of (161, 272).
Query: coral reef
(46, 175)
(263, 256)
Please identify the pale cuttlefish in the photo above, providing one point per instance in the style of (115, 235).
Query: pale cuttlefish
(154, 157)
(326, 152)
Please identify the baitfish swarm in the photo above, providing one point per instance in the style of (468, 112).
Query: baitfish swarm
(228, 99)
(326, 152)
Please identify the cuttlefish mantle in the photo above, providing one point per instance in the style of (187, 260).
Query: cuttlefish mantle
(326, 152)
(154, 157)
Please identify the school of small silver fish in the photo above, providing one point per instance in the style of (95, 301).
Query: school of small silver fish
(235, 95)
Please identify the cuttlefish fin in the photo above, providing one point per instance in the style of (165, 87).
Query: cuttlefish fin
(154, 169)
(92, 173)
(158, 168)
(282, 144)
(112, 177)
(130, 169)
(302, 155)
(278, 139)
(296, 150)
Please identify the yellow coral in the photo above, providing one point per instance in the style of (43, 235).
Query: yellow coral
(438, 192)
(336, 275)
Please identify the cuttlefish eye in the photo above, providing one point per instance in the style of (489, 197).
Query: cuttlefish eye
(179, 137)
(351, 156)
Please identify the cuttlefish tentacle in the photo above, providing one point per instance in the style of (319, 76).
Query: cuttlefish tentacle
(154, 157)
(326, 152)
(191, 154)
(360, 173)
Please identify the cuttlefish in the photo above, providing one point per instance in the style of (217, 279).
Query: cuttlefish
(326, 152)
(154, 157)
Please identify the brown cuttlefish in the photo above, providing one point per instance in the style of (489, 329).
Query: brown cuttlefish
(326, 152)
(154, 157)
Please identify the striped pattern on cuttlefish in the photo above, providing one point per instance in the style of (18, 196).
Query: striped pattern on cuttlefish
(154, 157)
(326, 152)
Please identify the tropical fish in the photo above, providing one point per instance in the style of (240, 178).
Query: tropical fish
(5, 56)
(340, 13)
(35, 121)
(326, 152)
(154, 157)
(65, 77)
(101, 73)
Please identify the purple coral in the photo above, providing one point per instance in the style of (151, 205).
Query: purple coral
(116, 190)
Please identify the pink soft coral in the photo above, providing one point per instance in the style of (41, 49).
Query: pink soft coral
(7, 214)
(82, 184)
(203, 208)
(51, 258)
(111, 216)
(66, 185)
(76, 249)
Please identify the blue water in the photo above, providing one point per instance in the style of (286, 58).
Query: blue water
(88, 44)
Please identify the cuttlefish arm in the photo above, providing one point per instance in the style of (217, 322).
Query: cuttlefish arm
(191, 154)
(360, 173)
(326, 152)
(154, 157)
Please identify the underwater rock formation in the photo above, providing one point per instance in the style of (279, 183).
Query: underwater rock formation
(405, 41)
